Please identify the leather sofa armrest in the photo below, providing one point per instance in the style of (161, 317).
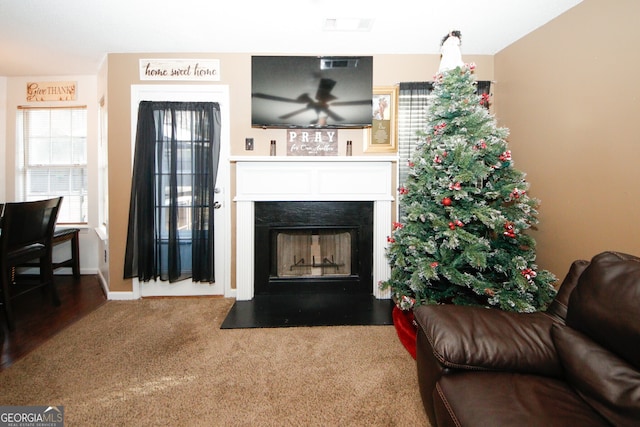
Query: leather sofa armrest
(476, 338)
(558, 307)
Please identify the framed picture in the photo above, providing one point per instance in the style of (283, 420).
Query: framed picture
(384, 127)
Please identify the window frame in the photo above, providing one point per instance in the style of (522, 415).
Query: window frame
(81, 169)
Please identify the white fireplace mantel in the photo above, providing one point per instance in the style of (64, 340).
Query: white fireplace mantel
(367, 178)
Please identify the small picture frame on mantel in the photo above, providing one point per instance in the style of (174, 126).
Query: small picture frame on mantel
(383, 134)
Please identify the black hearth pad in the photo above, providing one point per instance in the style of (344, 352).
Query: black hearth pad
(280, 311)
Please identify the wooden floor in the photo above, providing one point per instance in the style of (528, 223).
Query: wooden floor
(37, 319)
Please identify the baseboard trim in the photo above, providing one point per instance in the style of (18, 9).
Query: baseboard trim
(121, 295)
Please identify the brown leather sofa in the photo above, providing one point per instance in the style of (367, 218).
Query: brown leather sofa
(576, 364)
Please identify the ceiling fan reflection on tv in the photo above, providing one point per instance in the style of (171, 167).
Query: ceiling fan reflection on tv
(321, 104)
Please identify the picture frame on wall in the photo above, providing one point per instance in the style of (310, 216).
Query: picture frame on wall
(383, 133)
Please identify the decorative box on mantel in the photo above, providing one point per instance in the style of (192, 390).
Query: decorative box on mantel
(366, 178)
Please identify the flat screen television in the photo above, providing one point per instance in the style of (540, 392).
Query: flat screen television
(311, 91)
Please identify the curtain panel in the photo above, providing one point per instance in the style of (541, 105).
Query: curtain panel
(171, 222)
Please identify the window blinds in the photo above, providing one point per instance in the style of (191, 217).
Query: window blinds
(54, 158)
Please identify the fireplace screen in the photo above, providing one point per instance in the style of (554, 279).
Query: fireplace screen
(313, 247)
(313, 253)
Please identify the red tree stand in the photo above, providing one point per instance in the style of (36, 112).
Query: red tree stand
(406, 328)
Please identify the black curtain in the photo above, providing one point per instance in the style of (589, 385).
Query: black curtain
(171, 223)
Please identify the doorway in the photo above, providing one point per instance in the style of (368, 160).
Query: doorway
(222, 244)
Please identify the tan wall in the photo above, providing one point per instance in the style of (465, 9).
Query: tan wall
(569, 94)
(236, 73)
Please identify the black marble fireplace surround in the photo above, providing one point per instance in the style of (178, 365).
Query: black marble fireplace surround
(354, 217)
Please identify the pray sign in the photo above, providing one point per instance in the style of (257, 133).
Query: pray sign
(312, 142)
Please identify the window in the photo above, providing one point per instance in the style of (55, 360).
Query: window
(412, 106)
(53, 158)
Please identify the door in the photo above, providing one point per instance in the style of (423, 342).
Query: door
(222, 244)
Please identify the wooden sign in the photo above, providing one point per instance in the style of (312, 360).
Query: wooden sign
(180, 69)
(312, 142)
(51, 91)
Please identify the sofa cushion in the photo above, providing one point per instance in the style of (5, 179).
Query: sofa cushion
(508, 399)
(602, 379)
(490, 339)
(605, 304)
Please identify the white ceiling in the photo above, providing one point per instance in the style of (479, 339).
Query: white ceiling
(63, 37)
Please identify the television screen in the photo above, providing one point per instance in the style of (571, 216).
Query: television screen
(311, 91)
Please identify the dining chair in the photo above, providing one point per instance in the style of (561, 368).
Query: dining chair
(27, 232)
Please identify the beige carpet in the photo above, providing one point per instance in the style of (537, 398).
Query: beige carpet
(160, 362)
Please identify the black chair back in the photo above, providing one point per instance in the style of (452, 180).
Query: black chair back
(28, 223)
(27, 233)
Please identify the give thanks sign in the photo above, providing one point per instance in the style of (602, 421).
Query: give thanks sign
(312, 142)
(51, 91)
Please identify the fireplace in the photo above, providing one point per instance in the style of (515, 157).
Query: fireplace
(361, 191)
(313, 247)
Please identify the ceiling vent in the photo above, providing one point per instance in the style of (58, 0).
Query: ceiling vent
(348, 24)
(338, 62)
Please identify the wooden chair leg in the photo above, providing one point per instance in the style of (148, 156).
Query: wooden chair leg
(75, 255)
(46, 276)
(6, 299)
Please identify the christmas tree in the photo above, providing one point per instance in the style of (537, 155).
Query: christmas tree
(465, 209)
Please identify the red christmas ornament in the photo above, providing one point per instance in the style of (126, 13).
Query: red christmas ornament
(446, 201)
(516, 193)
(528, 274)
(439, 128)
(456, 223)
(509, 230)
(506, 156)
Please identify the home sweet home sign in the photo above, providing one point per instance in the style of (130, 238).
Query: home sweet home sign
(180, 69)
